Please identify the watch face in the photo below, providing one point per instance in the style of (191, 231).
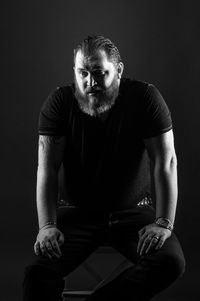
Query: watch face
(164, 223)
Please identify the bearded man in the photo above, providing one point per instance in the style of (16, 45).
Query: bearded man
(104, 130)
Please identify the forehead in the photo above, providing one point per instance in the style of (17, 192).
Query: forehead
(98, 60)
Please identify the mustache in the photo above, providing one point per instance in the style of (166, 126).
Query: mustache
(93, 90)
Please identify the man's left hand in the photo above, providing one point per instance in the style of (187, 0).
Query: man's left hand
(151, 237)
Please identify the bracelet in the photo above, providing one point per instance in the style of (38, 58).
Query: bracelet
(165, 223)
(48, 224)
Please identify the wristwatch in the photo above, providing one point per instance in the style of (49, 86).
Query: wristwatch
(164, 223)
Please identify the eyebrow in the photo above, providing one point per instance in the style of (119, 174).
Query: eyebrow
(93, 69)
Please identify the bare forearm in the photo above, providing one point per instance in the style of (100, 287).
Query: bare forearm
(47, 191)
(165, 179)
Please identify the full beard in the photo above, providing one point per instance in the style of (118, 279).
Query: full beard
(98, 103)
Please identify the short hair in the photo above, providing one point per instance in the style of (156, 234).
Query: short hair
(91, 44)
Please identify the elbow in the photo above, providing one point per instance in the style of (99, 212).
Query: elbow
(167, 164)
(47, 170)
(173, 162)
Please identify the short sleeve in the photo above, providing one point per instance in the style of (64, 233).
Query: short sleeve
(52, 115)
(156, 117)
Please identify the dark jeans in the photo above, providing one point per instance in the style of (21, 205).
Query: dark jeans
(84, 232)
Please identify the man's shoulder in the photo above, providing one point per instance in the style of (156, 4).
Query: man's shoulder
(129, 86)
(59, 99)
(62, 96)
(66, 90)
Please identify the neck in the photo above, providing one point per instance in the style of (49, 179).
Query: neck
(103, 116)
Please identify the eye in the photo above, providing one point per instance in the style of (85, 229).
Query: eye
(83, 73)
(99, 73)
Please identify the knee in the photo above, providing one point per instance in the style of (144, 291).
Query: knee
(40, 273)
(36, 271)
(41, 283)
(174, 266)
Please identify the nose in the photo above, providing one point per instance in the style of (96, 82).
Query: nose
(91, 80)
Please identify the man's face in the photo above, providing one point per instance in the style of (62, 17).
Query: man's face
(97, 82)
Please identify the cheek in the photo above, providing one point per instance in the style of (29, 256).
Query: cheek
(109, 81)
(80, 84)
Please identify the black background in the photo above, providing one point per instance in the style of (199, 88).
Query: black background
(159, 43)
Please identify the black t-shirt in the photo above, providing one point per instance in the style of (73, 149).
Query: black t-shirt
(106, 164)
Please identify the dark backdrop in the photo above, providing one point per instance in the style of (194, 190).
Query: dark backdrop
(159, 43)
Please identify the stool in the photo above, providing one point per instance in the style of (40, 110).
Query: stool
(98, 278)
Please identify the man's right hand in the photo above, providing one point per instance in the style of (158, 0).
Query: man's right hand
(48, 242)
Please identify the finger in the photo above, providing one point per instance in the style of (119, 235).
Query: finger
(61, 239)
(160, 243)
(152, 244)
(141, 242)
(37, 248)
(56, 247)
(50, 249)
(141, 232)
(145, 244)
(44, 249)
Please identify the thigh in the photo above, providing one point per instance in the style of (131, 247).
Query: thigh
(80, 240)
(125, 238)
(124, 231)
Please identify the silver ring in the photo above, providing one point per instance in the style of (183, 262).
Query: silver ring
(156, 237)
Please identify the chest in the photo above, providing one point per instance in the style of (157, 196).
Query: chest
(115, 139)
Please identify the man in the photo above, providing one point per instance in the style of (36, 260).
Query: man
(103, 129)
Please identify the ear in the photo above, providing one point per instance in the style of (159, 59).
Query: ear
(120, 69)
